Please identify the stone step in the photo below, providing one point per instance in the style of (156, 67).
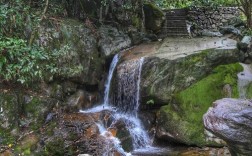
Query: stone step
(175, 18)
(174, 24)
(175, 28)
(177, 34)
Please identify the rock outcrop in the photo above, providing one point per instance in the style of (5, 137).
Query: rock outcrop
(231, 120)
(182, 75)
(176, 65)
(112, 40)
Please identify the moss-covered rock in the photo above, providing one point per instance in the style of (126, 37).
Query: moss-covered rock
(21, 112)
(80, 60)
(153, 17)
(26, 145)
(162, 78)
(181, 121)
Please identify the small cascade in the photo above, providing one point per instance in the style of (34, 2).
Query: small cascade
(244, 80)
(123, 105)
(110, 75)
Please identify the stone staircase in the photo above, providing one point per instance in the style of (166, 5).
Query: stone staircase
(175, 23)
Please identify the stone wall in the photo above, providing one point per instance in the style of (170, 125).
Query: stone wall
(210, 18)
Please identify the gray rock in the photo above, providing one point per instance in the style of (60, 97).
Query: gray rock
(230, 30)
(245, 43)
(231, 120)
(82, 100)
(210, 33)
(112, 40)
(236, 22)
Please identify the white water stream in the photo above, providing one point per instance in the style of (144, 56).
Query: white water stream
(126, 109)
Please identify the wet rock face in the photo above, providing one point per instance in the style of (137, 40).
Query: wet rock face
(73, 134)
(82, 100)
(231, 120)
(112, 40)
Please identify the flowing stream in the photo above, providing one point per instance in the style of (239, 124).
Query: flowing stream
(244, 80)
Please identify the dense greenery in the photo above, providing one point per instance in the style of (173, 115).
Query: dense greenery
(20, 58)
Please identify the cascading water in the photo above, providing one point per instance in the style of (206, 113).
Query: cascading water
(105, 104)
(244, 80)
(126, 99)
(110, 75)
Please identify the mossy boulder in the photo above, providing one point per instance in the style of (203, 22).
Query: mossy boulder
(163, 78)
(21, 111)
(153, 17)
(181, 120)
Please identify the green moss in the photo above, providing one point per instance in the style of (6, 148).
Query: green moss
(33, 110)
(50, 128)
(194, 101)
(6, 136)
(136, 21)
(55, 147)
(195, 58)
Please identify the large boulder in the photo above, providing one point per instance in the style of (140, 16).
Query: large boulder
(80, 60)
(163, 77)
(231, 120)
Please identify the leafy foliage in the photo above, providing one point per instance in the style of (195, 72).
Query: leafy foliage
(12, 17)
(19, 62)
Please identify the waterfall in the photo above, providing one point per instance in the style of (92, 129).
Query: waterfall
(244, 80)
(110, 75)
(127, 100)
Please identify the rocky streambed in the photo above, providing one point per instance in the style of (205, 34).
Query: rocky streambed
(179, 80)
